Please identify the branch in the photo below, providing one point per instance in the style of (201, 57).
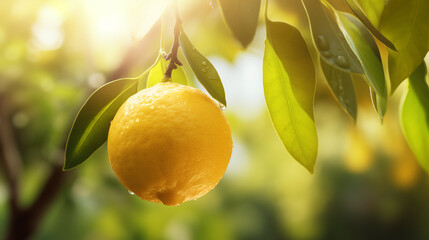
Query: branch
(172, 56)
(9, 156)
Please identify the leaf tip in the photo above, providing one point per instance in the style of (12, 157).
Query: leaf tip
(310, 168)
(66, 166)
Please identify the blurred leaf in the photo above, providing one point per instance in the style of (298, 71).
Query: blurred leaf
(405, 23)
(365, 48)
(242, 18)
(415, 115)
(373, 10)
(206, 39)
(156, 73)
(90, 128)
(142, 15)
(329, 39)
(354, 5)
(289, 84)
(203, 69)
(341, 84)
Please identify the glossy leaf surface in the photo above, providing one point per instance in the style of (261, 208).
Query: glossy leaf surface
(203, 69)
(289, 83)
(354, 5)
(365, 47)
(415, 115)
(373, 10)
(329, 39)
(406, 24)
(91, 126)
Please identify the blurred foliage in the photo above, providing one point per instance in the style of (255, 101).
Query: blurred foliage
(367, 184)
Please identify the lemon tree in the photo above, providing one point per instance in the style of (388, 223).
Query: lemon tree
(166, 138)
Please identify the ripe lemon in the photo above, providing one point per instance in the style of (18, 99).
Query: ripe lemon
(169, 143)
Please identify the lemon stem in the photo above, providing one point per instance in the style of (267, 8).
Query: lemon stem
(172, 56)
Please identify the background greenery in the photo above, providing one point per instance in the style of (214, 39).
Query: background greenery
(54, 53)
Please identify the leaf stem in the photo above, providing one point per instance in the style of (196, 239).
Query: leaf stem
(172, 56)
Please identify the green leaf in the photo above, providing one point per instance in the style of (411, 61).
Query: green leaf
(142, 79)
(415, 116)
(373, 10)
(357, 10)
(365, 48)
(203, 69)
(90, 128)
(289, 84)
(329, 39)
(405, 23)
(379, 103)
(341, 84)
(241, 17)
(156, 73)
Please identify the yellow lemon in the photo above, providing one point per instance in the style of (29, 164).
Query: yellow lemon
(169, 143)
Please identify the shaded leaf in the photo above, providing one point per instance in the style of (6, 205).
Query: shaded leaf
(329, 39)
(341, 84)
(365, 48)
(379, 103)
(373, 10)
(405, 23)
(415, 116)
(90, 128)
(241, 17)
(354, 5)
(156, 74)
(203, 69)
(289, 83)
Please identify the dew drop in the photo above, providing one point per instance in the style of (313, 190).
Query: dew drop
(322, 43)
(204, 70)
(137, 120)
(131, 193)
(127, 127)
(222, 107)
(327, 54)
(151, 107)
(204, 63)
(163, 53)
(341, 61)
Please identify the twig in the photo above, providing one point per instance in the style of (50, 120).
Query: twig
(9, 157)
(172, 56)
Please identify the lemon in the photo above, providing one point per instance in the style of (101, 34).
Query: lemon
(169, 143)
